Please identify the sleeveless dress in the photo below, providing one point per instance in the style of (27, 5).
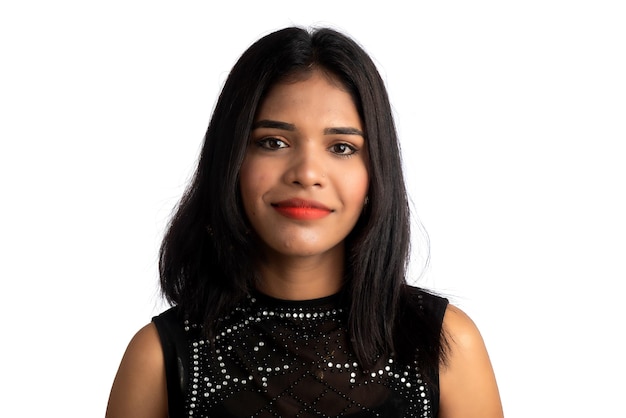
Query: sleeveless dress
(278, 358)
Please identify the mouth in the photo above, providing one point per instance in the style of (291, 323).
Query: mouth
(301, 209)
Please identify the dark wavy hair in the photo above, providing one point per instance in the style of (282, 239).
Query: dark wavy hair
(206, 264)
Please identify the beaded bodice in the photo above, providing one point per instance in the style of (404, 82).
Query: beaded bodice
(276, 358)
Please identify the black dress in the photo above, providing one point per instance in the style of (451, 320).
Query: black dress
(277, 358)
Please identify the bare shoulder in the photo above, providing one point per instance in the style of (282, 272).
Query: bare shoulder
(467, 381)
(460, 328)
(139, 389)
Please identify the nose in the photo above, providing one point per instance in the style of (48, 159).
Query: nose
(306, 170)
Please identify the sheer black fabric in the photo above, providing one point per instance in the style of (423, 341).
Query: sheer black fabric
(276, 358)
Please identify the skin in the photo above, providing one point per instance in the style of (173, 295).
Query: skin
(306, 157)
(139, 389)
(467, 383)
(307, 143)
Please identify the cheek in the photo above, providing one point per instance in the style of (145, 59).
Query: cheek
(359, 185)
(253, 182)
(247, 186)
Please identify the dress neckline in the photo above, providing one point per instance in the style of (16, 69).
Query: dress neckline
(262, 299)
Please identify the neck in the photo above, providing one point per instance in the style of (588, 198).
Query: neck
(301, 278)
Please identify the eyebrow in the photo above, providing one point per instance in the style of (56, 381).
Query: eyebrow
(343, 131)
(274, 124)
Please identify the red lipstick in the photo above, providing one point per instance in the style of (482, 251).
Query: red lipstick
(301, 209)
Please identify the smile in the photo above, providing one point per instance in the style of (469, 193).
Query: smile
(301, 209)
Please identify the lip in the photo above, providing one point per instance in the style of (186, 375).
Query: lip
(301, 209)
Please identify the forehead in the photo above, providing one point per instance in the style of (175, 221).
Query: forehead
(314, 94)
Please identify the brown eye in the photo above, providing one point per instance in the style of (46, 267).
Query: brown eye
(271, 143)
(343, 149)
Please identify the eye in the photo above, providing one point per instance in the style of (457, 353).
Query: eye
(343, 149)
(271, 143)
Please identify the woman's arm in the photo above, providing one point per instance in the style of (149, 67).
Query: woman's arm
(139, 389)
(466, 380)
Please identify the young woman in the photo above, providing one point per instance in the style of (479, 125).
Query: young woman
(285, 262)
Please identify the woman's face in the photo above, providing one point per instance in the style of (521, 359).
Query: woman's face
(304, 178)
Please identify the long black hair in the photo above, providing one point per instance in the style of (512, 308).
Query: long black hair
(206, 266)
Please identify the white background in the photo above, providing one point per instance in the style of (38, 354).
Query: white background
(512, 121)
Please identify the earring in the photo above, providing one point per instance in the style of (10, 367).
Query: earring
(367, 199)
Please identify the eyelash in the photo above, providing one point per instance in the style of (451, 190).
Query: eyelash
(353, 150)
(264, 144)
